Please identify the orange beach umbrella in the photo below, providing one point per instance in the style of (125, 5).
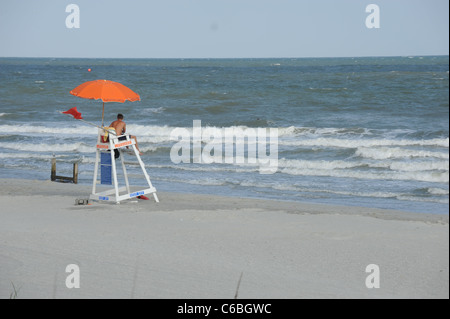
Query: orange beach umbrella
(105, 90)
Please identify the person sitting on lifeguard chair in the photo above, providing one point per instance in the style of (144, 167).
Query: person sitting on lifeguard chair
(120, 126)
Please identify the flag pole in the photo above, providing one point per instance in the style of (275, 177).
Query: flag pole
(92, 124)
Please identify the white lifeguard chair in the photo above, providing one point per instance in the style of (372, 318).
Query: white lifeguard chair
(107, 144)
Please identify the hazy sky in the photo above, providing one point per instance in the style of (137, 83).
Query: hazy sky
(223, 28)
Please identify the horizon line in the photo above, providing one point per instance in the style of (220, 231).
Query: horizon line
(228, 58)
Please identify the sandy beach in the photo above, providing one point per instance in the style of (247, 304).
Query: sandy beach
(198, 246)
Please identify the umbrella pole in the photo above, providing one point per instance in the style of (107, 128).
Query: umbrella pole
(103, 112)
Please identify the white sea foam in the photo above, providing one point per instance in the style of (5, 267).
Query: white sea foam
(154, 139)
(45, 130)
(434, 177)
(382, 153)
(289, 187)
(163, 132)
(325, 171)
(356, 143)
(291, 131)
(203, 181)
(422, 199)
(87, 160)
(145, 149)
(437, 191)
(155, 110)
(25, 155)
(242, 168)
(324, 165)
(303, 191)
(379, 159)
(295, 131)
(29, 147)
(289, 136)
(391, 165)
(410, 166)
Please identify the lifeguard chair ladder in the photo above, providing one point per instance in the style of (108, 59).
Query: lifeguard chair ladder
(106, 150)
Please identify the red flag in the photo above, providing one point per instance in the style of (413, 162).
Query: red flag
(74, 112)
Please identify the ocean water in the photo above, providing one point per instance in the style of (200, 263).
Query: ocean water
(370, 132)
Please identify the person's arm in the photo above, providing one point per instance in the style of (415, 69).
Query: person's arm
(124, 128)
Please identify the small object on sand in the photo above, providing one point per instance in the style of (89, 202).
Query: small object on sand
(82, 201)
(143, 197)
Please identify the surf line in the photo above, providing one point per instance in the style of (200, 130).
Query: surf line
(229, 145)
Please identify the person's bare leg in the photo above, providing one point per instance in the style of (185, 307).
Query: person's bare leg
(137, 147)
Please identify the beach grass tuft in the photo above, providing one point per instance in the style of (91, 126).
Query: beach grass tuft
(238, 285)
(15, 292)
